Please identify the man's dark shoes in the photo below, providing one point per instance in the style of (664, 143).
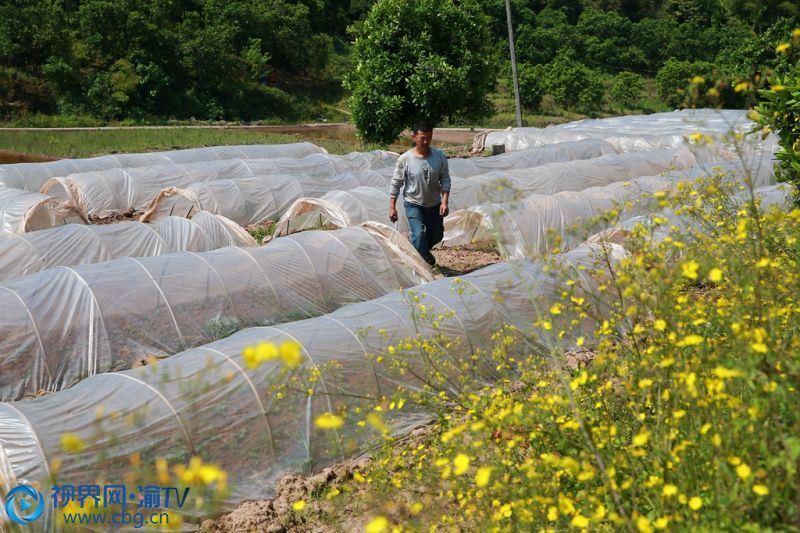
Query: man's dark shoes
(430, 259)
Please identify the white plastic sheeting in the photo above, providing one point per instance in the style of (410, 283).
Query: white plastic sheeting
(207, 401)
(340, 208)
(31, 176)
(346, 207)
(77, 244)
(539, 223)
(624, 130)
(582, 174)
(357, 205)
(66, 323)
(108, 192)
(22, 211)
(257, 199)
(532, 157)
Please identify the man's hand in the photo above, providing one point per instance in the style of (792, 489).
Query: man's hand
(392, 213)
(444, 209)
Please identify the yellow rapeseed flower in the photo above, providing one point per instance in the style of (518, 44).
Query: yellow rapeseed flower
(669, 490)
(641, 438)
(726, 373)
(643, 524)
(72, 443)
(781, 48)
(483, 476)
(759, 347)
(299, 505)
(660, 325)
(290, 353)
(715, 275)
(580, 521)
(379, 524)
(461, 463)
(743, 471)
(761, 490)
(695, 503)
(329, 421)
(689, 340)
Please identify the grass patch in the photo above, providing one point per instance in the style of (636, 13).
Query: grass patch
(89, 143)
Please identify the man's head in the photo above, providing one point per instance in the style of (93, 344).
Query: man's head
(422, 132)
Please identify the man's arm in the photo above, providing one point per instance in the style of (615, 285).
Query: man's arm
(444, 182)
(398, 179)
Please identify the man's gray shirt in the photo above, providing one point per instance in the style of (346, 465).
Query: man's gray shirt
(425, 178)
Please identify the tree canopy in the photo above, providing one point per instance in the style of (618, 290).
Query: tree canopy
(248, 59)
(431, 59)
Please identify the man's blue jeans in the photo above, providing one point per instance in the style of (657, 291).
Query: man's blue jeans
(427, 227)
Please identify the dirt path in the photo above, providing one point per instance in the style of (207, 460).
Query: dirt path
(10, 156)
(338, 131)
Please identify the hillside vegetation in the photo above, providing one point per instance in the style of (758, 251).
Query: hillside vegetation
(147, 61)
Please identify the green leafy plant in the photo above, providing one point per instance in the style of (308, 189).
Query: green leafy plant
(572, 84)
(779, 111)
(419, 59)
(626, 89)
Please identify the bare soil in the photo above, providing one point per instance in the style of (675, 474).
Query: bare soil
(10, 156)
(346, 512)
(347, 132)
(459, 260)
(130, 215)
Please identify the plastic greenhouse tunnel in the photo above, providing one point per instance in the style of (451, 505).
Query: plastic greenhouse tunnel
(22, 211)
(532, 157)
(76, 244)
(209, 401)
(63, 324)
(31, 176)
(630, 130)
(109, 192)
(256, 199)
(540, 222)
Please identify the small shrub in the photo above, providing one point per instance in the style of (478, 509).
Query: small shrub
(531, 87)
(572, 84)
(626, 88)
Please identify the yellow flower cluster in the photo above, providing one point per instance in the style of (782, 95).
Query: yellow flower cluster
(685, 418)
(289, 353)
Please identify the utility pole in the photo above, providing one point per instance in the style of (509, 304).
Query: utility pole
(513, 64)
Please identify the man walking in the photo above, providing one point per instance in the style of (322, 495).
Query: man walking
(424, 172)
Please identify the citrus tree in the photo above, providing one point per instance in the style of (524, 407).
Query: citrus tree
(416, 59)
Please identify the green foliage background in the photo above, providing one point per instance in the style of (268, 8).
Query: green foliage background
(284, 60)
